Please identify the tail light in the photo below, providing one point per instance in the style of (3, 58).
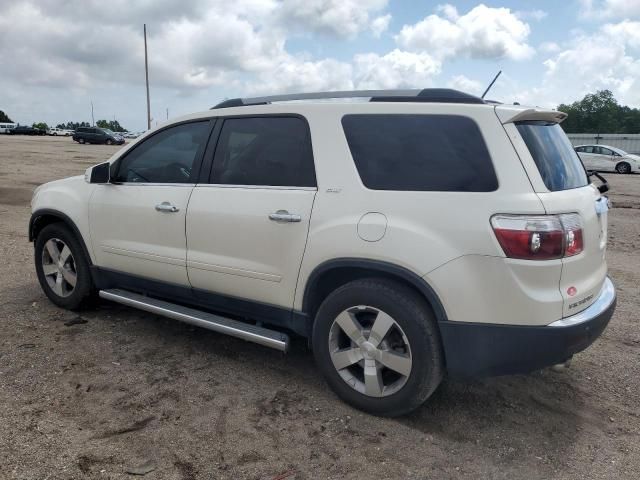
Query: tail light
(539, 237)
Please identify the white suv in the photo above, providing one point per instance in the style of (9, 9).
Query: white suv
(420, 233)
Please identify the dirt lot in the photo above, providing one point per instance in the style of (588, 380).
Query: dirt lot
(91, 396)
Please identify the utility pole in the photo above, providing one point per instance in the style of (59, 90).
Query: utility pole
(146, 74)
(167, 114)
(93, 122)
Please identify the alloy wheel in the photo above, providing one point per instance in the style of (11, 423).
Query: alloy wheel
(59, 267)
(370, 351)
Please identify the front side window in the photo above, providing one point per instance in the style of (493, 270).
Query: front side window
(605, 151)
(420, 153)
(558, 163)
(264, 151)
(166, 157)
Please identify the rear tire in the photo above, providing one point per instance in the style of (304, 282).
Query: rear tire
(62, 267)
(388, 368)
(623, 167)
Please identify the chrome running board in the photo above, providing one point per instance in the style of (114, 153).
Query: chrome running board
(210, 321)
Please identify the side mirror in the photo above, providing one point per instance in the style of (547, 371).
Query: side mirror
(98, 173)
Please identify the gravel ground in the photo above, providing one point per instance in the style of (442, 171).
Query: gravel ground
(114, 389)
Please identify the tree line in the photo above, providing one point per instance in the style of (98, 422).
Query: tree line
(112, 125)
(600, 112)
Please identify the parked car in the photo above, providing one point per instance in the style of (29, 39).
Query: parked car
(421, 233)
(604, 158)
(59, 132)
(5, 127)
(25, 130)
(132, 134)
(97, 135)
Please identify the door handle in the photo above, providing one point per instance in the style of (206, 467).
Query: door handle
(167, 207)
(284, 216)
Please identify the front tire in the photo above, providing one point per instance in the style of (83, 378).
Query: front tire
(62, 267)
(109, 142)
(623, 167)
(377, 344)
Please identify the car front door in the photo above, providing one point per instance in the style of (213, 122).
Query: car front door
(137, 222)
(606, 159)
(247, 227)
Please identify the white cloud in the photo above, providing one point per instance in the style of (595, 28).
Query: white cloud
(536, 15)
(379, 25)
(483, 32)
(460, 82)
(396, 69)
(297, 75)
(549, 47)
(604, 59)
(341, 18)
(449, 11)
(598, 9)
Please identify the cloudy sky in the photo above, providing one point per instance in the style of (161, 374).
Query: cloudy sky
(56, 56)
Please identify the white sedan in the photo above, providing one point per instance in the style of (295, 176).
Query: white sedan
(608, 159)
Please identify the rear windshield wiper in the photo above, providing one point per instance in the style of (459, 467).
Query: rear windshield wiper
(605, 185)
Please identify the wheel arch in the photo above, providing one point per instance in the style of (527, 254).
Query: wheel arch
(43, 217)
(332, 274)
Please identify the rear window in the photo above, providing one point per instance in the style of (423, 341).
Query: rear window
(557, 161)
(420, 153)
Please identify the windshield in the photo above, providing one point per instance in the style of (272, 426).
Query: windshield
(557, 161)
(106, 130)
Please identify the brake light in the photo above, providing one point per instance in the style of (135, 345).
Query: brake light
(539, 237)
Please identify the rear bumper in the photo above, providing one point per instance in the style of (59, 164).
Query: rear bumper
(479, 349)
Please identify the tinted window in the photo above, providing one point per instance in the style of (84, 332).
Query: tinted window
(605, 151)
(420, 152)
(269, 151)
(557, 162)
(166, 157)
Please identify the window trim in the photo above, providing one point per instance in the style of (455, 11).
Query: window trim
(359, 177)
(197, 161)
(206, 178)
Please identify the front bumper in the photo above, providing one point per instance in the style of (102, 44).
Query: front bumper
(480, 349)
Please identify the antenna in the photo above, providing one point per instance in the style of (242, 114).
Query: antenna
(491, 84)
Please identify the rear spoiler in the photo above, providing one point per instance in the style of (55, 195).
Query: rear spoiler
(515, 113)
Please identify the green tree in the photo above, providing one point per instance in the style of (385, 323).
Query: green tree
(41, 126)
(112, 125)
(72, 125)
(600, 112)
(5, 118)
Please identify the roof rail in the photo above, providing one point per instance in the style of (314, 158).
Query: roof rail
(433, 95)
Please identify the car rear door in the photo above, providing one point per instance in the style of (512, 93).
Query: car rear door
(562, 185)
(248, 221)
(137, 222)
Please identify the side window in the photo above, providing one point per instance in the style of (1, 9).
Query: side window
(264, 151)
(420, 153)
(605, 151)
(166, 157)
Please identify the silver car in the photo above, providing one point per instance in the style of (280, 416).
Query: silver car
(605, 158)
